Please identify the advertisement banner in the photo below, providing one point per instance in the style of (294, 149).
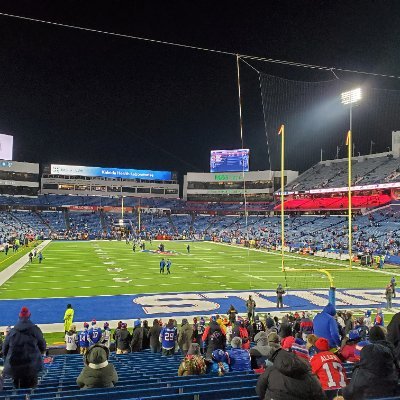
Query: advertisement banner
(83, 208)
(144, 174)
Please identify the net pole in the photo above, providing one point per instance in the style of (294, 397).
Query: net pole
(282, 134)
(139, 216)
(349, 143)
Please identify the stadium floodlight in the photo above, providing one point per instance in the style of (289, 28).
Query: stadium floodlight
(352, 96)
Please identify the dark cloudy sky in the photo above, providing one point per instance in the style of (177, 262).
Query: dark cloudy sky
(90, 99)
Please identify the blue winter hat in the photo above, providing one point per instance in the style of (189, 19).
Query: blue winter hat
(213, 318)
(137, 323)
(354, 334)
(368, 313)
(219, 356)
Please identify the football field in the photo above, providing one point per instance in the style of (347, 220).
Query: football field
(109, 268)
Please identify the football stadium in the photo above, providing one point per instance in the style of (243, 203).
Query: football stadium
(228, 282)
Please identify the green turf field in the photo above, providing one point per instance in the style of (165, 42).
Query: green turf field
(85, 269)
(10, 258)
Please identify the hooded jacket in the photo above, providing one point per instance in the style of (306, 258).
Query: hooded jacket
(154, 335)
(262, 351)
(393, 333)
(325, 326)
(97, 372)
(185, 337)
(375, 376)
(137, 339)
(239, 360)
(122, 339)
(289, 378)
(23, 348)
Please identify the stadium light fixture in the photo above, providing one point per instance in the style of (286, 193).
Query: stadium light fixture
(352, 96)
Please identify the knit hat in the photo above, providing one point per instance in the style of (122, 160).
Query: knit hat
(195, 320)
(86, 325)
(106, 325)
(358, 348)
(94, 322)
(287, 342)
(261, 339)
(236, 342)
(376, 333)
(273, 337)
(220, 356)
(97, 357)
(137, 323)
(24, 313)
(368, 313)
(322, 344)
(354, 334)
(194, 349)
(124, 325)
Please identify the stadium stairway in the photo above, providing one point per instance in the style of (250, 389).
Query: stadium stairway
(142, 376)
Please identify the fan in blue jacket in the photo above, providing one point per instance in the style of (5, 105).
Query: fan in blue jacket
(325, 325)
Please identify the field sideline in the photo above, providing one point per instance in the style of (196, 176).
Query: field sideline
(110, 268)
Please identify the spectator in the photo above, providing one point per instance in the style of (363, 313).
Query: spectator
(117, 329)
(146, 338)
(393, 333)
(106, 335)
(251, 308)
(328, 367)
(185, 336)
(123, 339)
(348, 323)
(258, 326)
(213, 337)
(288, 379)
(388, 295)
(193, 363)
(22, 351)
(232, 312)
(239, 359)
(363, 330)
(310, 345)
(306, 326)
(375, 376)
(379, 319)
(97, 371)
(325, 326)
(220, 363)
(265, 346)
(71, 340)
(349, 346)
(240, 331)
(168, 337)
(137, 336)
(367, 319)
(68, 318)
(154, 336)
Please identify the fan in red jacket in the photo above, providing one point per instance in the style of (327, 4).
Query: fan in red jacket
(327, 367)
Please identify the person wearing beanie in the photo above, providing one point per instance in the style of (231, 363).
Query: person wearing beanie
(97, 371)
(106, 335)
(348, 349)
(258, 326)
(193, 363)
(95, 333)
(265, 347)
(306, 326)
(220, 363)
(240, 331)
(239, 359)
(310, 345)
(146, 338)
(168, 336)
(123, 339)
(325, 326)
(68, 318)
(154, 334)
(71, 340)
(83, 339)
(379, 319)
(185, 336)
(22, 351)
(213, 338)
(375, 375)
(137, 336)
(231, 313)
(328, 367)
(367, 319)
(289, 378)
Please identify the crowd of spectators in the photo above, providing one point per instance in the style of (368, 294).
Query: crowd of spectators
(298, 356)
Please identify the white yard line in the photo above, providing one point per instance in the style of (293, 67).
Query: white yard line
(10, 271)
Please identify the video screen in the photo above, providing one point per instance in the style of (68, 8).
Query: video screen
(6, 147)
(229, 160)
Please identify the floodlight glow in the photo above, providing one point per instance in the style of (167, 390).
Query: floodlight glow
(352, 96)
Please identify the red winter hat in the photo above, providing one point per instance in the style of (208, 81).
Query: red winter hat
(24, 313)
(322, 344)
(287, 342)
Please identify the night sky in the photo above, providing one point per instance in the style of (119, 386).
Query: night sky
(74, 97)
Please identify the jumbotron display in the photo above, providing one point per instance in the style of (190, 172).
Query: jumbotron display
(144, 174)
(6, 147)
(236, 160)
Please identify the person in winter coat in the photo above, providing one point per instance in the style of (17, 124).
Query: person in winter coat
(325, 325)
(232, 312)
(213, 337)
(393, 333)
(240, 331)
(265, 346)
(154, 335)
(239, 359)
(22, 351)
(375, 376)
(68, 318)
(379, 320)
(193, 363)
(306, 326)
(123, 339)
(185, 336)
(71, 340)
(347, 352)
(97, 371)
(220, 363)
(258, 325)
(168, 336)
(146, 338)
(290, 378)
(137, 336)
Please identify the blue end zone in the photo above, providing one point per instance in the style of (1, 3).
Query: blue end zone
(149, 306)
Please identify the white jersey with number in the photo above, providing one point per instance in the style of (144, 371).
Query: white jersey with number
(71, 341)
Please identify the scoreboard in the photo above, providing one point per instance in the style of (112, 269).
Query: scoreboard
(236, 160)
